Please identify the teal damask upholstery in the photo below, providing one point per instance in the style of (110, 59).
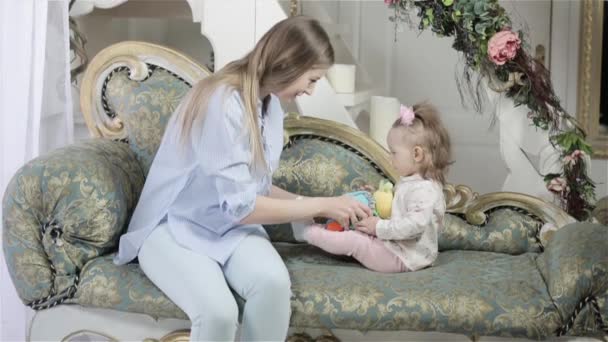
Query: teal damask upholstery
(313, 167)
(125, 288)
(64, 209)
(575, 268)
(506, 231)
(469, 292)
(145, 107)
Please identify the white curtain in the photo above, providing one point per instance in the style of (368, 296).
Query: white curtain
(35, 110)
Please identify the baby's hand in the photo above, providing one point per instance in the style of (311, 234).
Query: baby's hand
(368, 225)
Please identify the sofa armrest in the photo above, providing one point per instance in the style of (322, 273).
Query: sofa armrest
(64, 209)
(575, 268)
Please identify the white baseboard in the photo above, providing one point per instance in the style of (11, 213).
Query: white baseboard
(76, 323)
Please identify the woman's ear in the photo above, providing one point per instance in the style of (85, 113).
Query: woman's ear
(418, 154)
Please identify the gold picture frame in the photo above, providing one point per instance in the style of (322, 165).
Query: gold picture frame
(590, 76)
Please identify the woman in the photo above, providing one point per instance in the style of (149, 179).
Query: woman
(197, 229)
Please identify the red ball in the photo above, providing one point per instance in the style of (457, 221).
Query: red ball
(334, 226)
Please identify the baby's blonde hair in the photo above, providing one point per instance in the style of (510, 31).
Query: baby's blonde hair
(428, 132)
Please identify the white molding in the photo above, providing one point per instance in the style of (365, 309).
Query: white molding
(56, 323)
(84, 7)
(197, 10)
(357, 98)
(325, 104)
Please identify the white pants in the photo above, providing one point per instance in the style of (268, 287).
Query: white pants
(200, 287)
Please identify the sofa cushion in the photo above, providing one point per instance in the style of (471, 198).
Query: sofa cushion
(64, 209)
(145, 107)
(125, 288)
(465, 291)
(586, 322)
(506, 231)
(575, 267)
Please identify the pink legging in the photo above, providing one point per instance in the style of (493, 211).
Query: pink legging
(368, 250)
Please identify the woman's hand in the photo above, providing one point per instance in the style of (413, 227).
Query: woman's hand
(368, 226)
(344, 209)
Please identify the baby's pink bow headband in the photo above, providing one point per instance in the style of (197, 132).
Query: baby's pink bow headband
(407, 115)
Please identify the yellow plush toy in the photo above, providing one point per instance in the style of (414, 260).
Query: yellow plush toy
(384, 199)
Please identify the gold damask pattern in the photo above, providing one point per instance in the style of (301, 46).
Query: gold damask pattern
(145, 108)
(506, 231)
(313, 167)
(123, 288)
(574, 266)
(67, 207)
(319, 173)
(474, 293)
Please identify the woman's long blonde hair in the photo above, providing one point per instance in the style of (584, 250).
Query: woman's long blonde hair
(288, 50)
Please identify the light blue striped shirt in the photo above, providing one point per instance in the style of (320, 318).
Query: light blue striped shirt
(205, 189)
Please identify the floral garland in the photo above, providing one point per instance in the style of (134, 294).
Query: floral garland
(482, 32)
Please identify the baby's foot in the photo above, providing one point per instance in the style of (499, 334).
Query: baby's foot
(300, 229)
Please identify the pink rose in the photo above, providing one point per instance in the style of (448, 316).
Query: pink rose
(573, 157)
(568, 160)
(577, 154)
(390, 2)
(558, 185)
(503, 46)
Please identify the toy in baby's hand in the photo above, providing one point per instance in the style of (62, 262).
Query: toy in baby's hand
(384, 199)
(384, 196)
(361, 196)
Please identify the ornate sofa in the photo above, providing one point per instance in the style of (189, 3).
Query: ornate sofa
(496, 275)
